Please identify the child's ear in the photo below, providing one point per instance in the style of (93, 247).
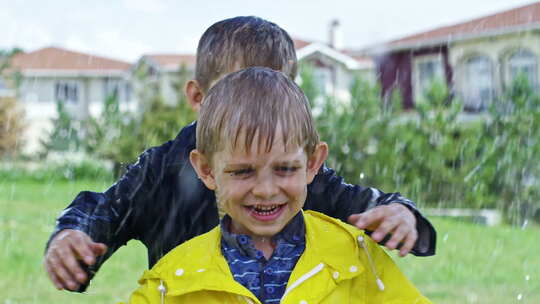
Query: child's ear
(316, 160)
(194, 94)
(202, 166)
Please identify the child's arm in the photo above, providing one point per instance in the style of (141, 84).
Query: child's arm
(105, 217)
(329, 194)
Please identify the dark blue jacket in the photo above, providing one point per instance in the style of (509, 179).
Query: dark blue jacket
(161, 202)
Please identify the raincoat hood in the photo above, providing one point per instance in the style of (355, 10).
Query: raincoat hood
(340, 265)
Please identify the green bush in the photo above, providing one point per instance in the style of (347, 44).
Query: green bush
(131, 133)
(431, 155)
(120, 136)
(67, 133)
(513, 151)
(60, 170)
(12, 126)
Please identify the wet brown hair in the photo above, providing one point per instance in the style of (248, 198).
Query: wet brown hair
(255, 102)
(241, 42)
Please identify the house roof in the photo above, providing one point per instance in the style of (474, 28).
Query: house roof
(351, 59)
(351, 62)
(507, 21)
(300, 43)
(59, 59)
(172, 61)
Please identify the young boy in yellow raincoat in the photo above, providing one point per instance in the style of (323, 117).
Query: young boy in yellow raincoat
(258, 149)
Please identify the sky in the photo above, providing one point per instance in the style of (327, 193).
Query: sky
(127, 29)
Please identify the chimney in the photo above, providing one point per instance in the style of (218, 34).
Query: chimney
(335, 36)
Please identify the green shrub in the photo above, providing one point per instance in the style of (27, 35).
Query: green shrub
(66, 134)
(59, 170)
(431, 155)
(122, 136)
(12, 126)
(513, 151)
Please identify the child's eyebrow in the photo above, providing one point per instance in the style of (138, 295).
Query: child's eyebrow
(238, 165)
(289, 162)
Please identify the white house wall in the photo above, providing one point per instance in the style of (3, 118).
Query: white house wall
(497, 49)
(167, 88)
(37, 95)
(344, 77)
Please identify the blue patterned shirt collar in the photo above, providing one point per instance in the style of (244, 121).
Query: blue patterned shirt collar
(293, 233)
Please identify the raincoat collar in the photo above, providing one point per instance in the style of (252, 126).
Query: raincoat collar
(199, 265)
(292, 233)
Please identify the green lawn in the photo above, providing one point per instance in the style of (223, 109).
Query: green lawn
(474, 264)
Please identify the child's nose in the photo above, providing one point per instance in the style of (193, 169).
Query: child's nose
(265, 187)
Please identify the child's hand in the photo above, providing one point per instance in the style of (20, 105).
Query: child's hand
(394, 222)
(67, 250)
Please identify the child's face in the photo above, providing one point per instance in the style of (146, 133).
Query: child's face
(261, 191)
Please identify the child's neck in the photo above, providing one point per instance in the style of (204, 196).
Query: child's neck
(265, 245)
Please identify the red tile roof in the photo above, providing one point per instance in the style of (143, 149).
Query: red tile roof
(517, 17)
(362, 58)
(173, 61)
(54, 58)
(299, 43)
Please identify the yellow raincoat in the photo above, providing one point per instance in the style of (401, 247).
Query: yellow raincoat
(339, 265)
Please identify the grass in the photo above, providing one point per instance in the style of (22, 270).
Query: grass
(474, 264)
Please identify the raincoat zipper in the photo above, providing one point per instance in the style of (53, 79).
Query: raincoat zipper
(162, 291)
(362, 244)
(302, 279)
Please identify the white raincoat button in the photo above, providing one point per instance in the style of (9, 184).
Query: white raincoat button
(303, 302)
(179, 272)
(335, 275)
(353, 268)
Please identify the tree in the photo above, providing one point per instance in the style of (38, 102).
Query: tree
(66, 134)
(12, 126)
(121, 136)
(513, 150)
(12, 123)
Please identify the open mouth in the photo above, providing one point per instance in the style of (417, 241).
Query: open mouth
(266, 212)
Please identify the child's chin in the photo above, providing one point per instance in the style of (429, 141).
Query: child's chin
(266, 232)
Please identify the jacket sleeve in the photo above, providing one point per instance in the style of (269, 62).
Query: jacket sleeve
(108, 217)
(329, 194)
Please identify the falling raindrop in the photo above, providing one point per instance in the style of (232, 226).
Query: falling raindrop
(519, 297)
(445, 237)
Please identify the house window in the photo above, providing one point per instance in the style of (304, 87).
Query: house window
(427, 69)
(66, 92)
(523, 62)
(112, 88)
(129, 91)
(322, 79)
(477, 83)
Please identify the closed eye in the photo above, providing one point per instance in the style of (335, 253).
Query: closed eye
(287, 169)
(240, 172)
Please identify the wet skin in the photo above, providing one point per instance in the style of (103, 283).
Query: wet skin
(260, 190)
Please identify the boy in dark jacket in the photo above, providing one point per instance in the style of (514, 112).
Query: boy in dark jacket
(160, 201)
